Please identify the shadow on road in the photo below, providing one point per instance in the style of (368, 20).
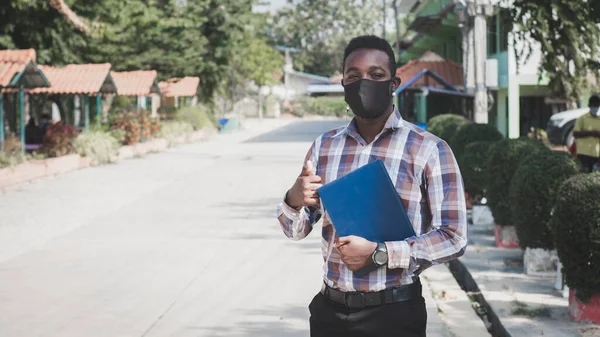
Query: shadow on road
(303, 131)
(273, 322)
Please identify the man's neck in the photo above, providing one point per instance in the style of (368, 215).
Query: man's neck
(369, 128)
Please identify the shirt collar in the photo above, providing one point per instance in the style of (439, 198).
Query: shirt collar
(394, 122)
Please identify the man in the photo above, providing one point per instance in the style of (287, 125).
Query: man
(388, 301)
(587, 135)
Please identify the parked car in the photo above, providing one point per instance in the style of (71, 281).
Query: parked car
(560, 126)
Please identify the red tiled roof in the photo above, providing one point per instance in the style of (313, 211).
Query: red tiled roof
(135, 83)
(77, 79)
(186, 87)
(18, 56)
(449, 70)
(8, 70)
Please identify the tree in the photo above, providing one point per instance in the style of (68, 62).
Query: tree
(568, 34)
(36, 24)
(321, 29)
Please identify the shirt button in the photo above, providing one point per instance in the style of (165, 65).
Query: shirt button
(347, 283)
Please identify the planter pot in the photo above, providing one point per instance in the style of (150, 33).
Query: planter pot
(84, 162)
(482, 215)
(584, 312)
(31, 170)
(126, 152)
(506, 236)
(59, 165)
(540, 262)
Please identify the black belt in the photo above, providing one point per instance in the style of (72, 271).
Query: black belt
(359, 300)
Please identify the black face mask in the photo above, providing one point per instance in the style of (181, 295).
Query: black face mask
(367, 98)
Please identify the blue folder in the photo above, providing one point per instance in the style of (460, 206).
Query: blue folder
(365, 203)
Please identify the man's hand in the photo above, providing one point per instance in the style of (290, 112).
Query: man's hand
(356, 251)
(304, 191)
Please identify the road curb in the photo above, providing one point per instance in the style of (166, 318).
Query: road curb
(454, 307)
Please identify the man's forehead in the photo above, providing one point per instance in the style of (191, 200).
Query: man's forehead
(367, 58)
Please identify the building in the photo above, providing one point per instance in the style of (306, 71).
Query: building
(518, 97)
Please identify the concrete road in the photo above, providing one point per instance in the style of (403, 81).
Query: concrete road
(182, 243)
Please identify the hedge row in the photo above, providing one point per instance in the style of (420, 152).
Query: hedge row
(539, 191)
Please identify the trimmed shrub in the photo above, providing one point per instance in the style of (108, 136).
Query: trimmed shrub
(173, 130)
(446, 126)
(533, 193)
(471, 133)
(472, 166)
(576, 228)
(504, 159)
(100, 147)
(58, 140)
(197, 117)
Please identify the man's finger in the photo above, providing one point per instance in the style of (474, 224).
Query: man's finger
(307, 169)
(313, 178)
(314, 187)
(344, 240)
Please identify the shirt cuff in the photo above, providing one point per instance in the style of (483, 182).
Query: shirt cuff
(290, 212)
(398, 254)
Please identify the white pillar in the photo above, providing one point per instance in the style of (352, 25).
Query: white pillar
(480, 54)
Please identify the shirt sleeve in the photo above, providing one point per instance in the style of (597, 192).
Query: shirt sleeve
(298, 223)
(445, 195)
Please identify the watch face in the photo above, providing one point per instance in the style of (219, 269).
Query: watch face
(381, 258)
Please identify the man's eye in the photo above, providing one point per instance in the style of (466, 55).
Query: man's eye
(378, 75)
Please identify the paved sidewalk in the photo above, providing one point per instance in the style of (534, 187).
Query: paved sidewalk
(526, 305)
(182, 243)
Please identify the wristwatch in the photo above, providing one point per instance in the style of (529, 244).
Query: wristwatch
(380, 255)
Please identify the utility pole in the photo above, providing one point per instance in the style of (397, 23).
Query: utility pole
(384, 20)
(472, 18)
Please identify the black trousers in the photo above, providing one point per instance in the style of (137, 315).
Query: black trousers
(402, 319)
(587, 162)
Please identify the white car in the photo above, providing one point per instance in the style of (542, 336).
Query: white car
(560, 126)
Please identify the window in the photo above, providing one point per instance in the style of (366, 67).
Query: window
(505, 28)
(492, 35)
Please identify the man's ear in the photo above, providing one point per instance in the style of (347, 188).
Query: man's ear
(396, 83)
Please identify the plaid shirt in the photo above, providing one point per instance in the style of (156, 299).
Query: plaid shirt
(428, 181)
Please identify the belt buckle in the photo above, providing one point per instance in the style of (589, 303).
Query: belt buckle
(351, 302)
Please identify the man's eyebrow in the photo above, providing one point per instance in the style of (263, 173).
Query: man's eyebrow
(352, 69)
(376, 68)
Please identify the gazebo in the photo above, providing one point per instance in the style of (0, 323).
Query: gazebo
(180, 87)
(141, 84)
(80, 81)
(18, 72)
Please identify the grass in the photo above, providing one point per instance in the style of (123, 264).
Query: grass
(522, 309)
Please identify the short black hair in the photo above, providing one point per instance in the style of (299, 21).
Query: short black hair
(594, 101)
(371, 42)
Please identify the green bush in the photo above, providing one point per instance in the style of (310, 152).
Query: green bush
(10, 153)
(504, 159)
(197, 117)
(472, 166)
(576, 228)
(322, 106)
(174, 129)
(446, 126)
(533, 192)
(101, 147)
(471, 133)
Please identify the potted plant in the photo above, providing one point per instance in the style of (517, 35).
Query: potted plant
(503, 160)
(576, 231)
(472, 166)
(533, 193)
